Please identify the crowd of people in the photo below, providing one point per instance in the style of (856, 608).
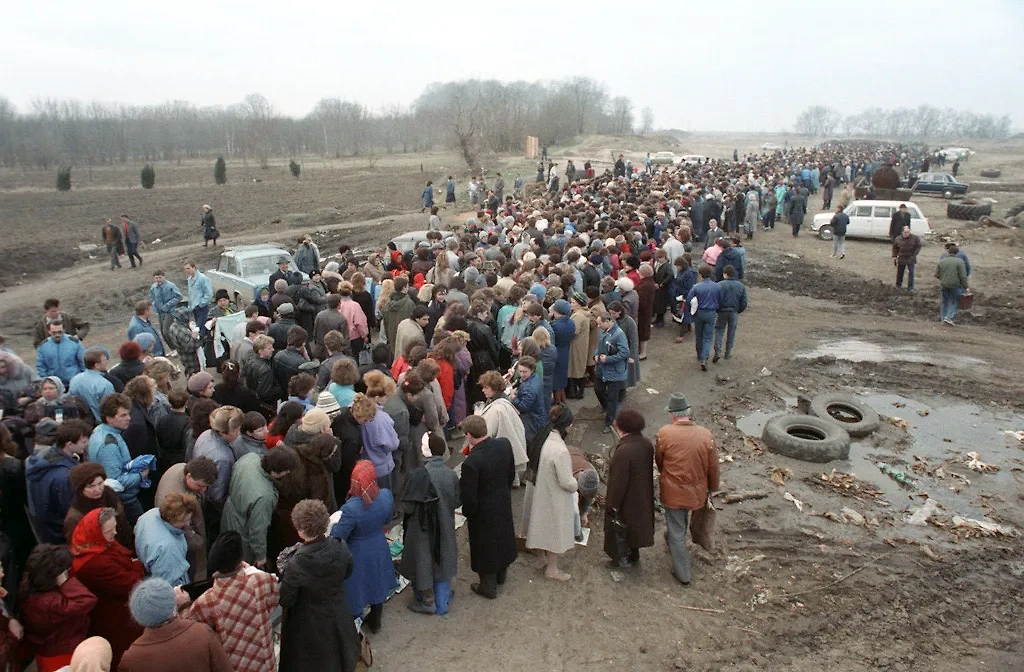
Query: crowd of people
(175, 513)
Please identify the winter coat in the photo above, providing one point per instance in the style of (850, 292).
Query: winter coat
(140, 435)
(687, 460)
(164, 297)
(615, 347)
(110, 576)
(258, 374)
(127, 369)
(362, 529)
(483, 347)
(398, 307)
(548, 508)
(49, 492)
(904, 250)
(165, 648)
(279, 332)
(951, 272)
(137, 326)
(325, 321)
(161, 548)
(288, 363)
(306, 259)
(486, 488)
(418, 563)
(63, 359)
(645, 308)
(319, 634)
(173, 432)
(173, 480)
(629, 328)
(729, 257)
(108, 447)
(503, 422)
(840, 222)
(250, 505)
(408, 330)
(579, 355)
(56, 621)
(630, 492)
(212, 445)
(565, 332)
(81, 506)
(13, 384)
(529, 401)
(209, 226)
(200, 292)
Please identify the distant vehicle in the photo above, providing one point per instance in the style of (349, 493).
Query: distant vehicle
(770, 146)
(665, 159)
(871, 219)
(693, 159)
(244, 270)
(939, 183)
(409, 241)
(953, 153)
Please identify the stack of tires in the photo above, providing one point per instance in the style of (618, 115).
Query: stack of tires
(824, 435)
(968, 209)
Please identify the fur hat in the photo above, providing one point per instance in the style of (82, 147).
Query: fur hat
(83, 474)
(152, 602)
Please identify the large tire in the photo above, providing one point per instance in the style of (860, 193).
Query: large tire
(968, 211)
(1015, 210)
(807, 438)
(826, 233)
(853, 415)
(991, 172)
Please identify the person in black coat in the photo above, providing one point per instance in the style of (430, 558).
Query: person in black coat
(318, 632)
(348, 432)
(483, 347)
(486, 484)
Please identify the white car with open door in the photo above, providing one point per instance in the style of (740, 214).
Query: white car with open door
(870, 219)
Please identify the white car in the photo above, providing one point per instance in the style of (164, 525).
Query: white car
(771, 146)
(871, 219)
(693, 159)
(665, 159)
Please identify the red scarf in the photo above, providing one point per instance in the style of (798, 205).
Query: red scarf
(364, 483)
(87, 541)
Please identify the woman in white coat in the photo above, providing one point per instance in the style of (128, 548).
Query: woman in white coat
(549, 507)
(502, 418)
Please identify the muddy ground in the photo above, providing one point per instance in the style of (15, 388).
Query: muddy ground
(785, 589)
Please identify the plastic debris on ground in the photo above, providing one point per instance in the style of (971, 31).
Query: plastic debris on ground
(923, 513)
(898, 422)
(969, 527)
(1019, 435)
(897, 475)
(796, 502)
(974, 462)
(738, 566)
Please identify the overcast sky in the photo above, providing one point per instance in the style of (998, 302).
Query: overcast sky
(723, 65)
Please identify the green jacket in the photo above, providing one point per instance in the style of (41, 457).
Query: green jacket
(951, 273)
(252, 498)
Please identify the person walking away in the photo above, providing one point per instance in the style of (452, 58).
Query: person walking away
(113, 239)
(200, 296)
(610, 372)
(629, 499)
(797, 210)
(900, 219)
(702, 302)
(952, 274)
(209, 225)
(428, 196)
(840, 222)
(687, 461)
(132, 239)
(431, 555)
(904, 257)
(830, 185)
(486, 490)
(732, 302)
(499, 188)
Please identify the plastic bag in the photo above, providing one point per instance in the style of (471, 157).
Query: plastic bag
(702, 526)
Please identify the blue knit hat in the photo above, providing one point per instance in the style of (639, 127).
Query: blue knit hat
(146, 341)
(539, 290)
(596, 259)
(152, 602)
(562, 307)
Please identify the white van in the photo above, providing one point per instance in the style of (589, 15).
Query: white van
(870, 219)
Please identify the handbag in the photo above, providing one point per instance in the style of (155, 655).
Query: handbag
(365, 661)
(702, 526)
(616, 544)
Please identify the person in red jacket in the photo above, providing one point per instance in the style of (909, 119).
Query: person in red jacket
(55, 607)
(110, 572)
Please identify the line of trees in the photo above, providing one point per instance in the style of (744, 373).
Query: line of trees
(473, 116)
(903, 123)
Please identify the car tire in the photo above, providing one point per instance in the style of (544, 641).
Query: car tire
(969, 211)
(806, 438)
(825, 232)
(947, 194)
(991, 172)
(853, 415)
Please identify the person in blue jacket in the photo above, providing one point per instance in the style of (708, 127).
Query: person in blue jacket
(160, 538)
(107, 447)
(46, 474)
(60, 355)
(528, 397)
(200, 295)
(565, 331)
(428, 196)
(610, 367)
(164, 296)
(141, 323)
(363, 516)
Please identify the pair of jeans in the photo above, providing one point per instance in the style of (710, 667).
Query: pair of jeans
(112, 251)
(489, 582)
(200, 313)
(838, 245)
(725, 327)
(677, 521)
(608, 392)
(909, 268)
(704, 332)
(950, 303)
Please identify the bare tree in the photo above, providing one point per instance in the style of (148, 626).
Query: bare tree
(646, 121)
(622, 115)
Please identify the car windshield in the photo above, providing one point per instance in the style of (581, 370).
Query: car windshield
(259, 266)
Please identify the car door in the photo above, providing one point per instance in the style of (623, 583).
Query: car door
(881, 218)
(860, 222)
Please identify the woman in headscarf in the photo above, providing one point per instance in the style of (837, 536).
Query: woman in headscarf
(628, 326)
(319, 634)
(108, 570)
(55, 607)
(92, 655)
(645, 290)
(503, 421)
(753, 210)
(89, 491)
(263, 305)
(15, 379)
(628, 296)
(53, 400)
(361, 526)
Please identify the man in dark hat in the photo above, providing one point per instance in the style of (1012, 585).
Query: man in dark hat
(687, 460)
(280, 274)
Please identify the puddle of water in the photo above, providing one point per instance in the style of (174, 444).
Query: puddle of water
(947, 433)
(855, 350)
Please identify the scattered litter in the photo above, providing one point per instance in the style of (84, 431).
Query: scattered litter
(651, 390)
(1019, 435)
(899, 404)
(88, 247)
(156, 241)
(897, 475)
(792, 256)
(739, 566)
(974, 462)
(982, 528)
(853, 516)
(929, 552)
(725, 458)
(898, 422)
(759, 598)
(847, 484)
(617, 577)
(923, 513)
(796, 502)
(778, 475)
(764, 372)
(924, 412)
(753, 444)
(742, 496)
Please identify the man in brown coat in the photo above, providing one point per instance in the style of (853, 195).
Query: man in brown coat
(630, 496)
(904, 256)
(688, 462)
(74, 327)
